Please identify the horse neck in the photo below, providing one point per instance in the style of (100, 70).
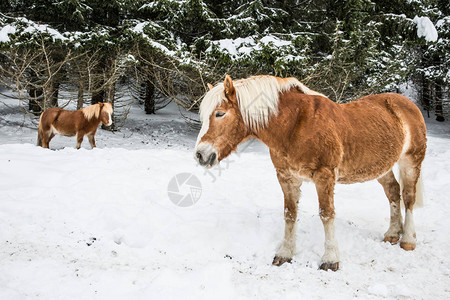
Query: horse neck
(93, 122)
(280, 128)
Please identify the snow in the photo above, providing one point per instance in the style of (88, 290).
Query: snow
(84, 224)
(139, 28)
(27, 26)
(276, 41)
(8, 29)
(235, 46)
(443, 21)
(426, 29)
(244, 46)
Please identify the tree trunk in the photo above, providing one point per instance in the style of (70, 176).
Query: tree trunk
(54, 91)
(35, 92)
(34, 104)
(80, 100)
(149, 97)
(426, 94)
(98, 93)
(438, 100)
(109, 93)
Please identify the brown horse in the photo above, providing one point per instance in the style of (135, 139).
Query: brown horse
(70, 123)
(314, 139)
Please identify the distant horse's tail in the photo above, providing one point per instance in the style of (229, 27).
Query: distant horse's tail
(419, 191)
(40, 131)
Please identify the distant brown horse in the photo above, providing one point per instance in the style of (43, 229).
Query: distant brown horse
(312, 138)
(70, 123)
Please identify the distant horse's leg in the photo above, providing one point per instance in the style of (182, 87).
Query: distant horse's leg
(392, 191)
(324, 180)
(291, 190)
(91, 140)
(45, 139)
(51, 136)
(409, 174)
(39, 139)
(79, 139)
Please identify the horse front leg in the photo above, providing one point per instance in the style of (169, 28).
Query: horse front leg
(80, 137)
(325, 180)
(92, 140)
(291, 190)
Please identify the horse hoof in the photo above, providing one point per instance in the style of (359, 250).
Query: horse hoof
(407, 246)
(329, 266)
(278, 260)
(391, 239)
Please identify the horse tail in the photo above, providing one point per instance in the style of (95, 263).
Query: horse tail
(419, 190)
(40, 131)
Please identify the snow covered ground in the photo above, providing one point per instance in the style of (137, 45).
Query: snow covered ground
(98, 224)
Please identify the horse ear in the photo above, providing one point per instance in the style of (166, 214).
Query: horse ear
(228, 84)
(210, 86)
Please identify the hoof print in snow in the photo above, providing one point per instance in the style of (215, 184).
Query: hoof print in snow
(278, 260)
(91, 241)
(228, 256)
(329, 266)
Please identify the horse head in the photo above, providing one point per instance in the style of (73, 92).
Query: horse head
(105, 113)
(223, 127)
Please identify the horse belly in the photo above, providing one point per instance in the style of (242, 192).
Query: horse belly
(367, 161)
(362, 174)
(63, 131)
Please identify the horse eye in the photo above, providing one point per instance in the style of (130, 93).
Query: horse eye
(220, 114)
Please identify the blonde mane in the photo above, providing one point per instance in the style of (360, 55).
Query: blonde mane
(257, 98)
(94, 110)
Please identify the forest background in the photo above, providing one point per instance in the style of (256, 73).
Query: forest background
(58, 52)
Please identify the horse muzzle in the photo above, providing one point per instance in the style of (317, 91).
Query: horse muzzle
(206, 155)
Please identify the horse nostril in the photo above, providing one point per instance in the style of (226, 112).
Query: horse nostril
(212, 159)
(199, 155)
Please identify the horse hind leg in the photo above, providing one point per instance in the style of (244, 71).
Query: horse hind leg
(51, 136)
(39, 139)
(44, 138)
(410, 180)
(392, 191)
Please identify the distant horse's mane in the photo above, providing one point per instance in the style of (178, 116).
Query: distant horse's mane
(257, 97)
(94, 110)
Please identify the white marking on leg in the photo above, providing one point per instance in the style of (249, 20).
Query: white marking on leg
(395, 226)
(331, 254)
(409, 232)
(287, 248)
